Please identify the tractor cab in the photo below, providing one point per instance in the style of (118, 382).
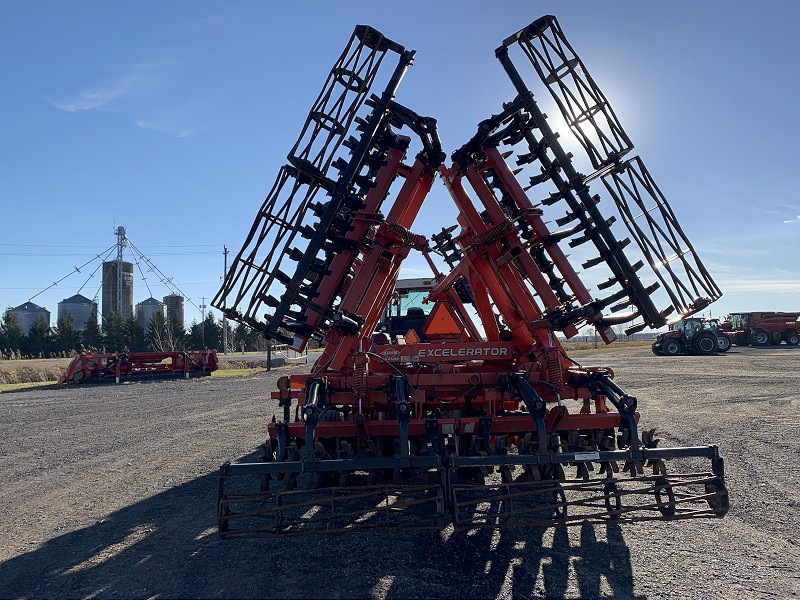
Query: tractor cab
(736, 322)
(408, 310)
(687, 327)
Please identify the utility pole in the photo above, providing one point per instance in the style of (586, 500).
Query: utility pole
(224, 320)
(203, 322)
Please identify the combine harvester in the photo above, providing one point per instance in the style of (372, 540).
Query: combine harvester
(480, 420)
(762, 328)
(126, 366)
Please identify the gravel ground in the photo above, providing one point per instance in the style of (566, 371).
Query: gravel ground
(109, 491)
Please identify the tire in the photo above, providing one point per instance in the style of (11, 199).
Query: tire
(671, 347)
(723, 342)
(760, 337)
(705, 343)
(792, 337)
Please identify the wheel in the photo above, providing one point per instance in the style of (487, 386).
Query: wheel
(723, 342)
(672, 347)
(705, 343)
(792, 337)
(760, 337)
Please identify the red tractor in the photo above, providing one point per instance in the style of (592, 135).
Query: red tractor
(763, 328)
(691, 336)
(474, 418)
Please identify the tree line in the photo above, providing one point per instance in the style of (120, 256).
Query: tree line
(119, 334)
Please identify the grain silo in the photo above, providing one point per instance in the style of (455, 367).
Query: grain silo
(174, 303)
(79, 308)
(147, 309)
(28, 312)
(118, 288)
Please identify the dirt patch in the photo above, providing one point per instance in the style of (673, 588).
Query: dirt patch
(109, 491)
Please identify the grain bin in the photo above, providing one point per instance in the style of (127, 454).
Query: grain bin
(147, 309)
(79, 308)
(174, 304)
(117, 288)
(28, 312)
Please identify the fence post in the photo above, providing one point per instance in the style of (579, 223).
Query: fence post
(269, 355)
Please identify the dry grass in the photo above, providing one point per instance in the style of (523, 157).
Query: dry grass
(31, 374)
(236, 372)
(228, 365)
(570, 347)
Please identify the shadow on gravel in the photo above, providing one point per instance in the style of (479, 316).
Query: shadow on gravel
(166, 546)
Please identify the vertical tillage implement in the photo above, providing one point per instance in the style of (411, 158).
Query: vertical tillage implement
(475, 416)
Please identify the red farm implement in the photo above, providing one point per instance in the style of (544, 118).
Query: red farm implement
(123, 366)
(474, 416)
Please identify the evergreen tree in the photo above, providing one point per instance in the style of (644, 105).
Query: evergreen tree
(134, 335)
(92, 337)
(212, 332)
(194, 339)
(207, 334)
(39, 341)
(66, 337)
(12, 331)
(177, 334)
(114, 332)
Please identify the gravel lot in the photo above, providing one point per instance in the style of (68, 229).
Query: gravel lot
(109, 491)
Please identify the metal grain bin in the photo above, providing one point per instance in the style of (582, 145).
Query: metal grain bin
(79, 308)
(174, 304)
(117, 288)
(147, 309)
(28, 312)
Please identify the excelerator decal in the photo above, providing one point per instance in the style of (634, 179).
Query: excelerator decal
(417, 353)
(466, 352)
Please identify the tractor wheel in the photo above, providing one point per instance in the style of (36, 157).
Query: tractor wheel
(723, 342)
(672, 347)
(792, 337)
(705, 343)
(760, 337)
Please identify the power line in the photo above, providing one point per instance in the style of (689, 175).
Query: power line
(75, 270)
(44, 254)
(55, 246)
(138, 256)
(167, 281)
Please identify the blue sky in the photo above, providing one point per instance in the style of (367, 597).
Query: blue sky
(172, 119)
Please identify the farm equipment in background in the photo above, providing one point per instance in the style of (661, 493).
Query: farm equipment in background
(473, 415)
(762, 328)
(691, 336)
(724, 341)
(125, 366)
